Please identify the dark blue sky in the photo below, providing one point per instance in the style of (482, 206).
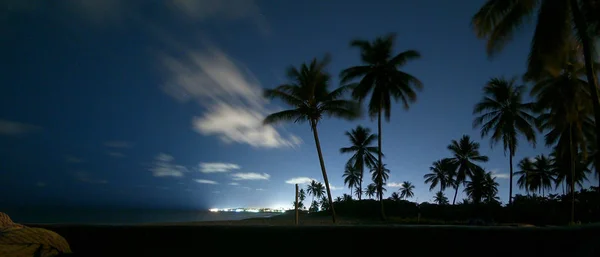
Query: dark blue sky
(143, 103)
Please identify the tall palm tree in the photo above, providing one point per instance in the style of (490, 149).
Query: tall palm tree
(504, 114)
(380, 177)
(316, 189)
(465, 158)
(543, 173)
(380, 74)
(441, 174)
(361, 140)
(309, 96)
(481, 186)
(406, 190)
(440, 198)
(564, 104)
(558, 23)
(351, 177)
(371, 190)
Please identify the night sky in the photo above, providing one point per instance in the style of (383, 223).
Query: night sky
(159, 104)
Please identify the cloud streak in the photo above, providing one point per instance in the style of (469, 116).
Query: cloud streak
(250, 176)
(13, 128)
(232, 96)
(163, 166)
(217, 167)
(300, 180)
(206, 181)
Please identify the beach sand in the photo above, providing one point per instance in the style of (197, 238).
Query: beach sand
(277, 236)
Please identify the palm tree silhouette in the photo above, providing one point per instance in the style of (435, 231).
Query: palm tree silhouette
(308, 93)
(441, 174)
(380, 74)
(361, 140)
(543, 173)
(504, 115)
(380, 177)
(481, 186)
(315, 189)
(395, 197)
(440, 198)
(558, 22)
(564, 106)
(371, 190)
(406, 190)
(525, 174)
(351, 177)
(465, 153)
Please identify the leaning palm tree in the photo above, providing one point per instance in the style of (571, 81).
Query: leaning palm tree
(361, 140)
(504, 115)
(380, 74)
(441, 174)
(406, 190)
(558, 23)
(465, 155)
(440, 198)
(309, 96)
(351, 177)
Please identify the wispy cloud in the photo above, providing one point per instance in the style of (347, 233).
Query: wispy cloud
(217, 167)
(216, 192)
(300, 180)
(334, 187)
(13, 128)
(250, 176)
(232, 96)
(234, 184)
(260, 189)
(118, 144)
(497, 174)
(72, 159)
(393, 184)
(87, 177)
(163, 166)
(222, 10)
(206, 181)
(116, 154)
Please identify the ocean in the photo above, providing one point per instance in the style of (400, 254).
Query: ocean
(122, 217)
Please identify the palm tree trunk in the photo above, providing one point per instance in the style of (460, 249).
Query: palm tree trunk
(362, 172)
(379, 158)
(351, 192)
(510, 188)
(322, 162)
(455, 193)
(586, 42)
(572, 153)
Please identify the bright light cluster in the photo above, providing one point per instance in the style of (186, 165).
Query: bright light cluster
(253, 210)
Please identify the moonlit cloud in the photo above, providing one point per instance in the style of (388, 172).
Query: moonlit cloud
(118, 144)
(300, 180)
(206, 181)
(260, 189)
(13, 128)
(497, 174)
(231, 95)
(234, 184)
(250, 176)
(393, 184)
(217, 167)
(163, 166)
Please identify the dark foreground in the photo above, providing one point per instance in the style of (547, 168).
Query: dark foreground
(341, 240)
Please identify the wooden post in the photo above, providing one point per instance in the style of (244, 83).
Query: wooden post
(296, 219)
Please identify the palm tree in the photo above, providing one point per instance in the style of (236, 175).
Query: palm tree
(380, 177)
(380, 74)
(315, 189)
(465, 155)
(558, 23)
(395, 197)
(351, 177)
(441, 174)
(503, 113)
(308, 93)
(543, 173)
(564, 106)
(482, 186)
(406, 190)
(371, 190)
(525, 172)
(361, 140)
(440, 198)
